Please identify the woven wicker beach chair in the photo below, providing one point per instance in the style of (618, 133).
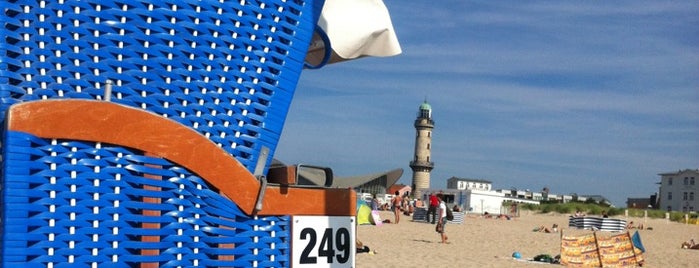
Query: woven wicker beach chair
(138, 133)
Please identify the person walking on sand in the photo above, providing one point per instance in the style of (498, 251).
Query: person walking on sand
(442, 222)
(432, 210)
(397, 202)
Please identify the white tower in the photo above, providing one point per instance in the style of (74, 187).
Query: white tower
(422, 163)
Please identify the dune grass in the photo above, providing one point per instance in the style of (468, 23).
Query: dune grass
(598, 210)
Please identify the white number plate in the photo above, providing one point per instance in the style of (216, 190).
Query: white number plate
(323, 241)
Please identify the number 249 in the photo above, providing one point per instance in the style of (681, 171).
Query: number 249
(326, 248)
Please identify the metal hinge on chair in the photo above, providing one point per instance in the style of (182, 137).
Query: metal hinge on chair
(108, 91)
(259, 170)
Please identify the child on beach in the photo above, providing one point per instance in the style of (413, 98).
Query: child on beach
(442, 221)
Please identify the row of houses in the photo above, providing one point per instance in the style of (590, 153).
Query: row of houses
(544, 195)
(677, 191)
(478, 196)
(480, 201)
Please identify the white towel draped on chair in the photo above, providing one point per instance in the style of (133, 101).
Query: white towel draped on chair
(356, 28)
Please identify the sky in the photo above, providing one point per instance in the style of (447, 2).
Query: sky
(584, 97)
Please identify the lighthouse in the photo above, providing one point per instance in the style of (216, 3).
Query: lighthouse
(422, 163)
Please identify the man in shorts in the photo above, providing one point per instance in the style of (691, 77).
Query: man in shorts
(441, 224)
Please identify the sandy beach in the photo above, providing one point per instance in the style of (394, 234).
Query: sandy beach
(481, 242)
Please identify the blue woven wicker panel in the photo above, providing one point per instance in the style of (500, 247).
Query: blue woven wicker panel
(226, 69)
(78, 204)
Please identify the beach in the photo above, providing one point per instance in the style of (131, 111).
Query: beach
(490, 242)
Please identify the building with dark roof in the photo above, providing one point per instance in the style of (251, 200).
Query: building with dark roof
(379, 182)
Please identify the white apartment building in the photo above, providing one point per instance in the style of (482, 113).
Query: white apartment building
(679, 190)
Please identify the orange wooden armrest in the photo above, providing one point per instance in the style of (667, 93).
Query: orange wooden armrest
(99, 121)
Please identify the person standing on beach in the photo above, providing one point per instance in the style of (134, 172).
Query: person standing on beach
(432, 210)
(442, 222)
(397, 202)
(374, 203)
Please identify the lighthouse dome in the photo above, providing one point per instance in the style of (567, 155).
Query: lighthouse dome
(425, 106)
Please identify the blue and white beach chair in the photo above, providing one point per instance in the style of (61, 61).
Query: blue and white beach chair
(133, 131)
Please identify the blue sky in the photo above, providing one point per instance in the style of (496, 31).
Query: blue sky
(591, 97)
